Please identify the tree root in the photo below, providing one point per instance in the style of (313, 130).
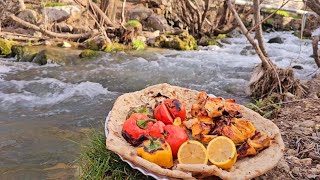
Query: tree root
(265, 82)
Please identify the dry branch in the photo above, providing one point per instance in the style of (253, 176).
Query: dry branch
(265, 61)
(258, 29)
(74, 37)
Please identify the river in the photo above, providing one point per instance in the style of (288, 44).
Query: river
(46, 111)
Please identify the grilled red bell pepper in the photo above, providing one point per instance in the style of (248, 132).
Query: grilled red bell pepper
(169, 109)
(136, 129)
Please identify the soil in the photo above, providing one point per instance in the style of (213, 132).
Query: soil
(299, 123)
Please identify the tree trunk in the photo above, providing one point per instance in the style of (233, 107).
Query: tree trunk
(110, 8)
(315, 41)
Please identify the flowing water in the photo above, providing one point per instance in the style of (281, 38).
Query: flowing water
(46, 110)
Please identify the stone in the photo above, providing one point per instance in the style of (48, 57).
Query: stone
(207, 41)
(156, 22)
(178, 42)
(41, 58)
(284, 165)
(151, 35)
(5, 47)
(157, 3)
(294, 160)
(8, 7)
(61, 13)
(297, 67)
(307, 123)
(140, 13)
(29, 15)
(277, 40)
(248, 50)
(291, 152)
(95, 43)
(296, 170)
(135, 26)
(65, 44)
(87, 53)
(63, 27)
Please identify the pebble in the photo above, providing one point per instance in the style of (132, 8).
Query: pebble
(296, 170)
(284, 165)
(294, 160)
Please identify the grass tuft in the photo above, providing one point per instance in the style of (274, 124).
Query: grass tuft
(268, 107)
(54, 4)
(96, 162)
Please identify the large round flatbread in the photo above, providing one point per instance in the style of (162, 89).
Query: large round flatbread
(245, 168)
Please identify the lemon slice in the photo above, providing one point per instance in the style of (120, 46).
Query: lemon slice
(192, 152)
(222, 152)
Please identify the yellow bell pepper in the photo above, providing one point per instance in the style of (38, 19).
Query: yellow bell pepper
(158, 151)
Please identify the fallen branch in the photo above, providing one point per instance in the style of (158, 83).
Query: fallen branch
(258, 29)
(73, 37)
(18, 37)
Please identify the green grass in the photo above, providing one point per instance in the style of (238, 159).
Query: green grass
(138, 44)
(96, 162)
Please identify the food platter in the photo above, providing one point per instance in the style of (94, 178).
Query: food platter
(246, 168)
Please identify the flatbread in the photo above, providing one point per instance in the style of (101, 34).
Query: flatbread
(245, 168)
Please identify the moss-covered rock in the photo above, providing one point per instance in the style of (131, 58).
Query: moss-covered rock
(115, 47)
(138, 44)
(5, 47)
(88, 53)
(178, 42)
(134, 23)
(93, 45)
(41, 58)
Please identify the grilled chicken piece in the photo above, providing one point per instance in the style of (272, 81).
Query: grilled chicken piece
(245, 127)
(246, 150)
(214, 107)
(207, 138)
(259, 141)
(199, 128)
(232, 108)
(233, 133)
(198, 107)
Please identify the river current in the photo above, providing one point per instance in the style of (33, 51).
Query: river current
(46, 111)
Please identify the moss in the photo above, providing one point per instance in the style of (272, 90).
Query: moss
(134, 23)
(181, 42)
(88, 53)
(115, 47)
(91, 44)
(138, 44)
(221, 36)
(54, 4)
(5, 47)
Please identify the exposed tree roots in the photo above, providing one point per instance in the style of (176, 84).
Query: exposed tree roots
(265, 82)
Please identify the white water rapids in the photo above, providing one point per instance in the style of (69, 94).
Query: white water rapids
(43, 108)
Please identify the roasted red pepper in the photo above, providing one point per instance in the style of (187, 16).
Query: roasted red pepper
(136, 129)
(157, 130)
(169, 109)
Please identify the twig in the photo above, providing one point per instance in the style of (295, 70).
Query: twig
(123, 20)
(74, 37)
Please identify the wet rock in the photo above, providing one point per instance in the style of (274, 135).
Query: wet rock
(308, 123)
(156, 22)
(134, 26)
(277, 40)
(87, 53)
(8, 7)
(247, 51)
(95, 43)
(140, 13)
(61, 13)
(5, 47)
(63, 27)
(297, 67)
(207, 41)
(29, 15)
(41, 58)
(178, 42)
(115, 47)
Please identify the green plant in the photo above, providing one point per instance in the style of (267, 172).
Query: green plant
(279, 12)
(138, 44)
(133, 23)
(114, 47)
(5, 46)
(88, 53)
(221, 36)
(268, 107)
(54, 4)
(96, 162)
